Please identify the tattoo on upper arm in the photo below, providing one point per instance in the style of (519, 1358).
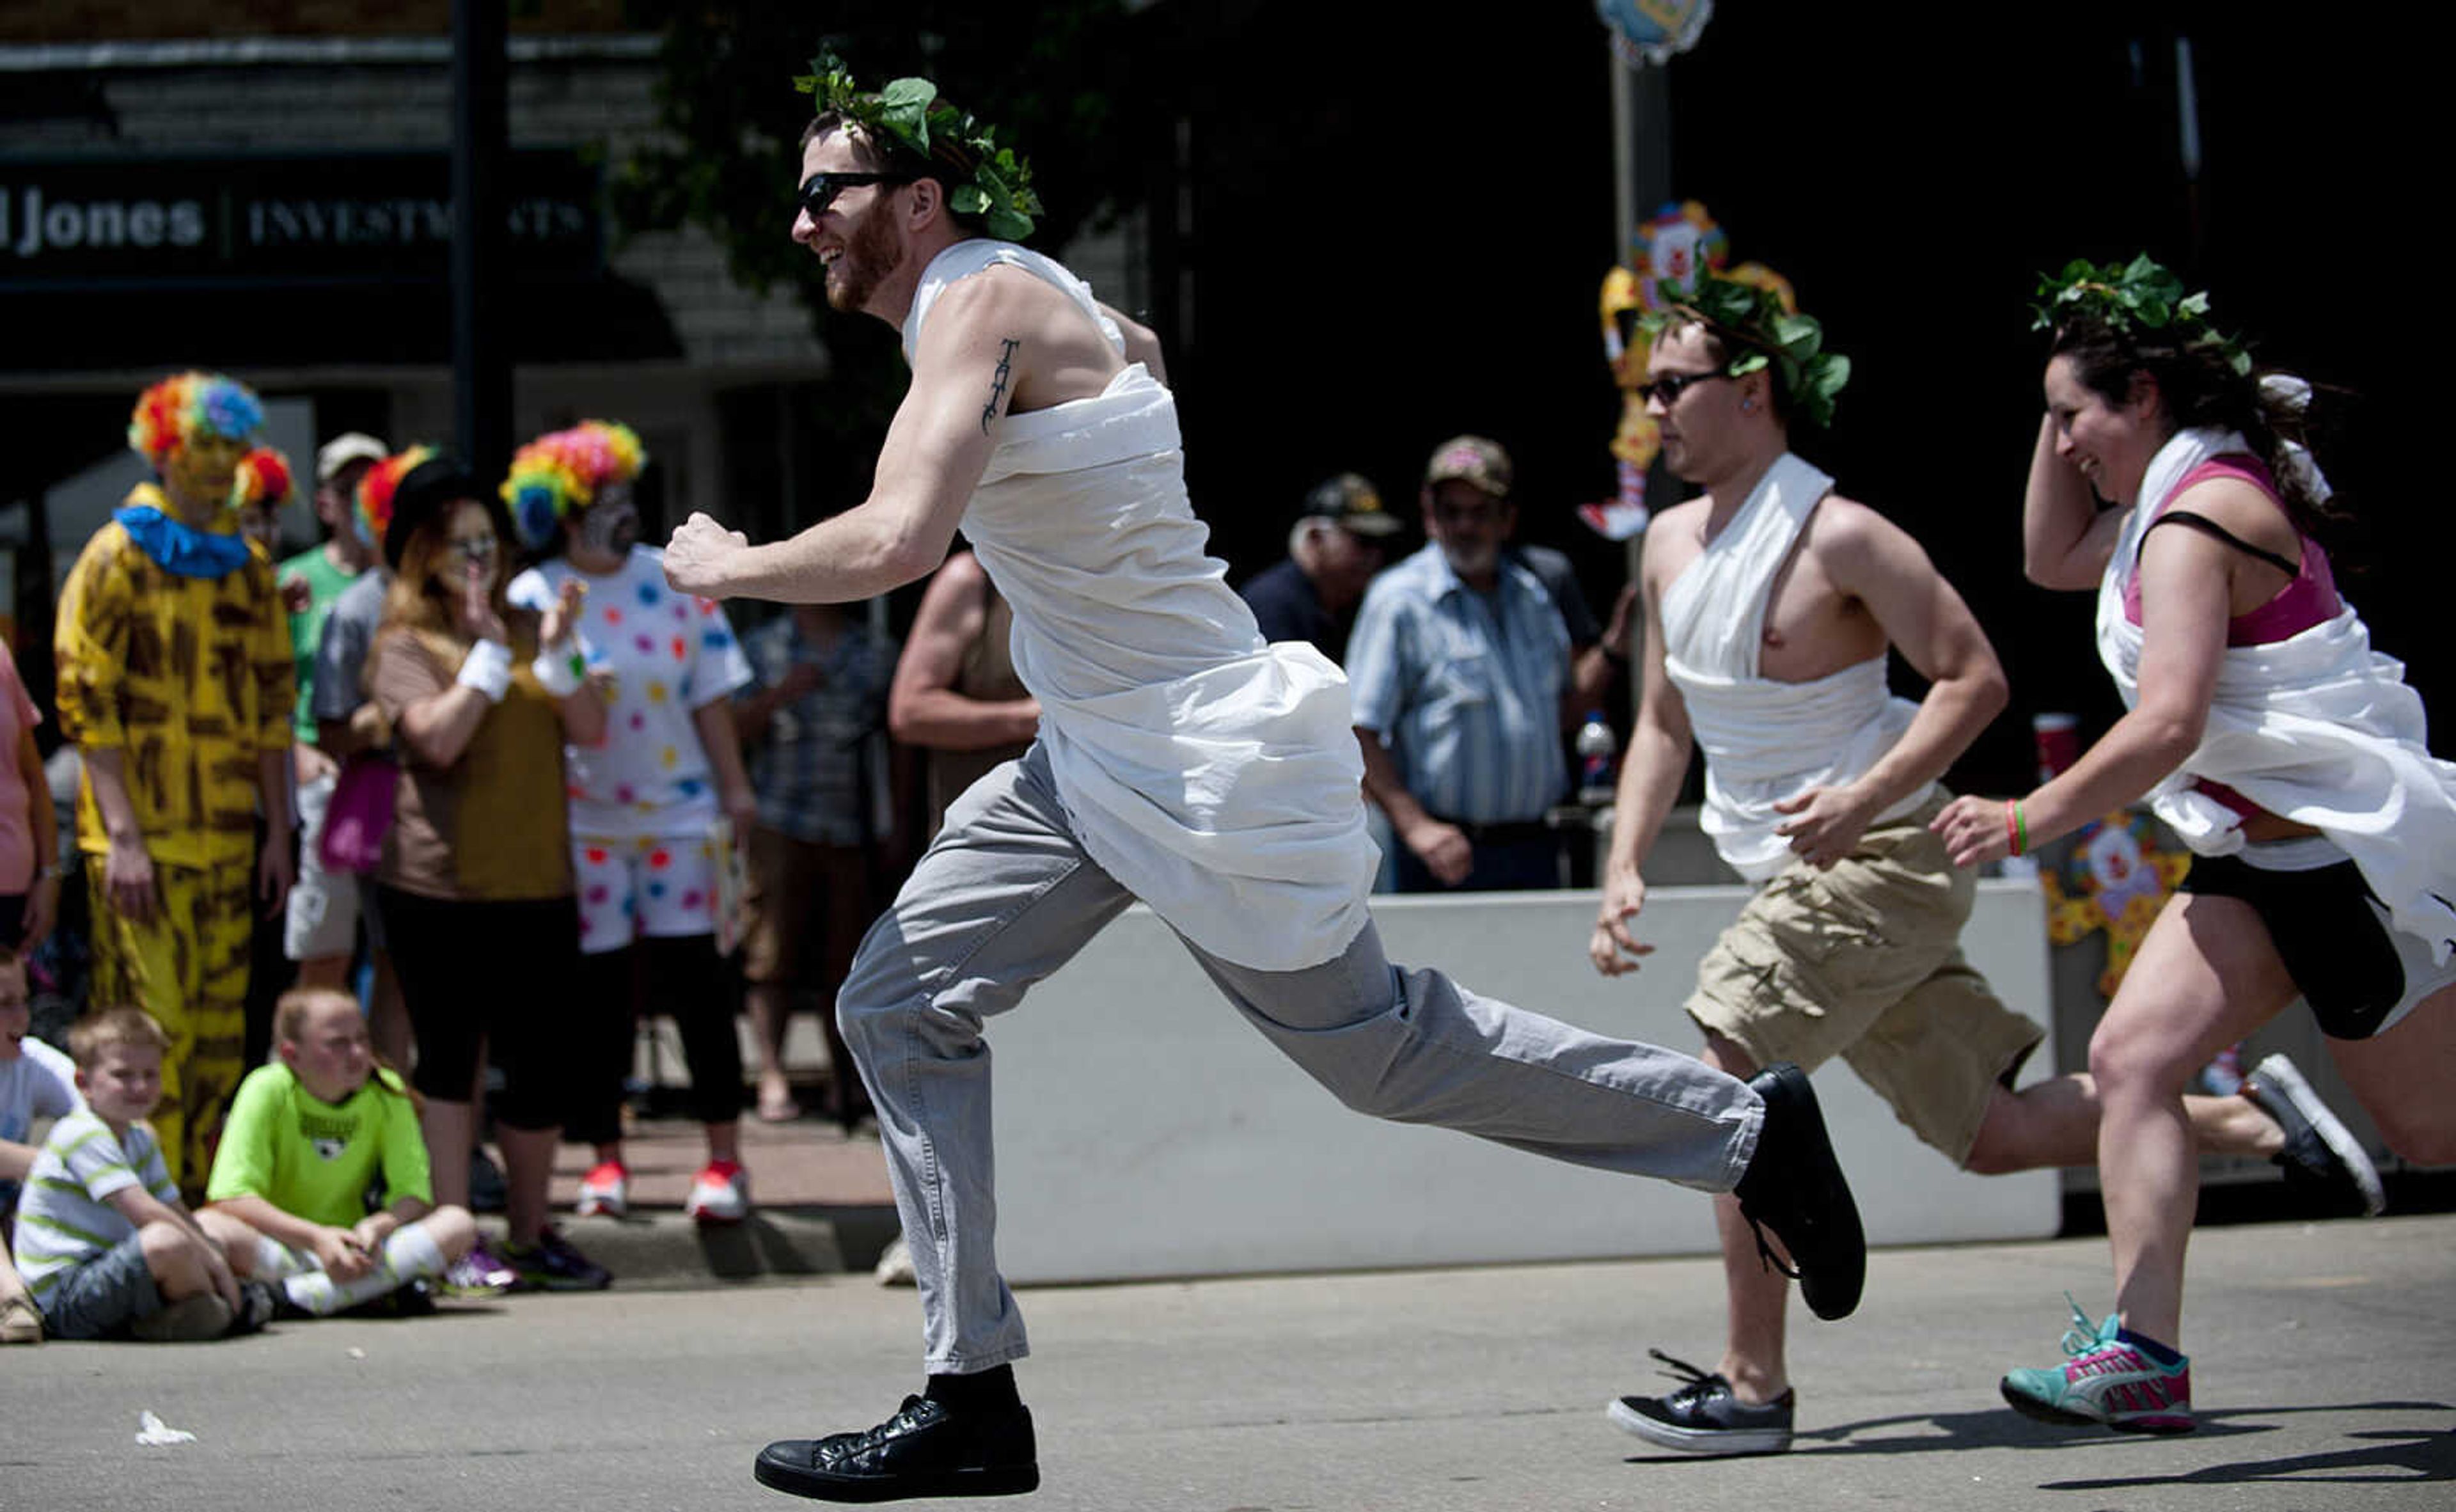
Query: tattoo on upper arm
(998, 383)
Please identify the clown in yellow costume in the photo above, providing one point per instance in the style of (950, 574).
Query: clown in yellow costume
(174, 683)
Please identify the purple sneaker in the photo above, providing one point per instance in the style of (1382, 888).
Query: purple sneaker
(478, 1274)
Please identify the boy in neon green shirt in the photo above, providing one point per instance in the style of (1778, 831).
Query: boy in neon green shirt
(310, 1136)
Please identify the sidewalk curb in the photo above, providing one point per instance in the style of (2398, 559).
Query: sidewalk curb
(664, 1251)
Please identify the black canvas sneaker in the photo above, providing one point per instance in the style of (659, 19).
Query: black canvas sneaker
(1794, 1187)
(1702, 1416)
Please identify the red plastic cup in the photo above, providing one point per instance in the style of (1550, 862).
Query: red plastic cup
(2058, 742)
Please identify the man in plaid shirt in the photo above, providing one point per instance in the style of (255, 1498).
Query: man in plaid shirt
(811, 722)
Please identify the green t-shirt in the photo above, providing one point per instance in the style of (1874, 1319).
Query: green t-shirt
(315, 1160)
(324, 585)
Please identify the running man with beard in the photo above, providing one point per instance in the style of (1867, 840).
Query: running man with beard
(1181, 760)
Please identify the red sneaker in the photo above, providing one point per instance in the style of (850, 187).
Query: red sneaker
(721, 1195)
(606, 1192)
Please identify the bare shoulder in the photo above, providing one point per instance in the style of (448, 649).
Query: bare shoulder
(1143, 343)
(1671, 535)
(1846, 535)
(996, 303)
(1671, 541)
(956, 589)
(1683, 515)
(2239, 506)
(1133, 331)
(1841, 519)
(961, 572)
(952, 609)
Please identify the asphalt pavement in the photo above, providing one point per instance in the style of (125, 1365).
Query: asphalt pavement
(2324, 1366)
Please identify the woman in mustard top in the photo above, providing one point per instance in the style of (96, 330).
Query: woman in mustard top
(476, 886)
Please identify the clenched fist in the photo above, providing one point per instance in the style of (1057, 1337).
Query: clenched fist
(699, 557)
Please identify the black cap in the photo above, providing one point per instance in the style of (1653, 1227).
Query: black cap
(1352, 502)
(426, 490)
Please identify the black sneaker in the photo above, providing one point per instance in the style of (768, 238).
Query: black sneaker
(486, 1191)
(2318, 1148)
(1702, 1416)
(554, 1264)
(1794, 1186)
(260, 1302)
(926, 1449)
(188, 1320)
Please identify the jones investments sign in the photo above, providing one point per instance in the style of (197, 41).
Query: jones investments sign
(336, 217)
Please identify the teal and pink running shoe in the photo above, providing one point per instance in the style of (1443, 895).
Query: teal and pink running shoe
(2105, 1380)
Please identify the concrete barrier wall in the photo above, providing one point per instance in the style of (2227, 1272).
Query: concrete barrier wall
(1144, 1130)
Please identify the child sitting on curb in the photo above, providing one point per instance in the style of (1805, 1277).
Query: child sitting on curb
(312, 1134)
(105, 1245)
(35, 1082)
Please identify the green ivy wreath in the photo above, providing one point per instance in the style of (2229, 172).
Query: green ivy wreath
(2141, 295)
(910, 111)
(1760, 332)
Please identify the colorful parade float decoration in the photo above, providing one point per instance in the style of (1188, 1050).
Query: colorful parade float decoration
(1645, 34)
(1666, 258)
(1645, 31)
(2115, 878)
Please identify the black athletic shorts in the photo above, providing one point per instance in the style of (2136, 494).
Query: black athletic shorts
(2358, 973)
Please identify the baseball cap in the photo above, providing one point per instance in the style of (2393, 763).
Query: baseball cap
(350, 446)
(1470, 459)
(1352, 502)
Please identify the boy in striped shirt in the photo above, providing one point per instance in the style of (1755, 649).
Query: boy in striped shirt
(103, 1241)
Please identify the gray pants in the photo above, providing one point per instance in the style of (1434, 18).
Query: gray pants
(1006, 895)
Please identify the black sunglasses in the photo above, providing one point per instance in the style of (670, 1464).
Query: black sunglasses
(819, 190)
(1671, 385)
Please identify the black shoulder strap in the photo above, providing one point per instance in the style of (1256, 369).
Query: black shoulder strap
(2210, 528)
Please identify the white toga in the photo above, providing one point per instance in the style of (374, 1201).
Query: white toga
(1215, 776)
(2317, 729)
(1766, 741)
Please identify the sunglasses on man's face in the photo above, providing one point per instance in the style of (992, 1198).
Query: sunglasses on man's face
(1671, 385)
(819, 190)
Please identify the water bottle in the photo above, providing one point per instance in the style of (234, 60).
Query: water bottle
(2223, 1078)
(1596, 747)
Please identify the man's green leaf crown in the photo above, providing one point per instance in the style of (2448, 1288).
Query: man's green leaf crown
(2139, 295)
(1758, 333)
(910, 111)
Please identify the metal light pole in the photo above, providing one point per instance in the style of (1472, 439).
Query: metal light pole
(482, 368)
(1641, 118)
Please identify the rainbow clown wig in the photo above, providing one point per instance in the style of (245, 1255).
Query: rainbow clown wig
(188, 407)
(558, 476)
(371, 511)
(262, 480)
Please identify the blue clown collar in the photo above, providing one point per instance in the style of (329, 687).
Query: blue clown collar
(176, 547)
